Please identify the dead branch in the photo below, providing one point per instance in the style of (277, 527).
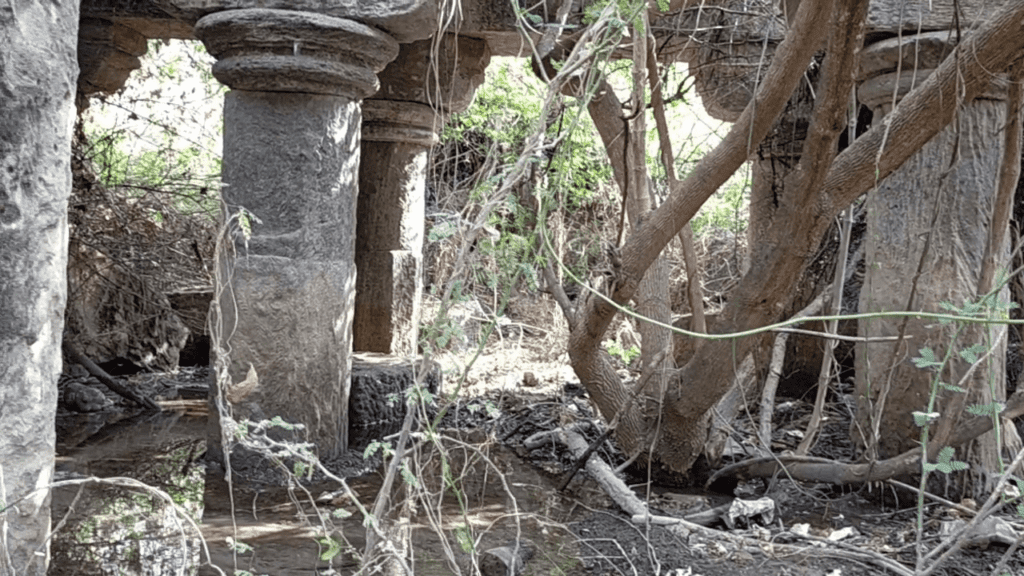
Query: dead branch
(771, 384)
(811, 469)
(693, 282)
(101, 375)
(828, 355)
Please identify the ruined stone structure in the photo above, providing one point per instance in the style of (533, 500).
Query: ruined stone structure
(400, 124)
(900, 210)
(37, 91)
(941, 200)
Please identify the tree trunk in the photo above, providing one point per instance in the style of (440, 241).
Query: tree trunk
(684, 427)
(830, 183)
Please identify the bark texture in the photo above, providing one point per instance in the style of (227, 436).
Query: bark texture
(691, 394)
(38, 71)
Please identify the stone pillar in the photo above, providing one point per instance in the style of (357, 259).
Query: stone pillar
(37, 111)
(291, 152)
(400, 124)
(397, 137)
(899, 224)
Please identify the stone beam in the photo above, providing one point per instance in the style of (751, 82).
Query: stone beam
(108, 52)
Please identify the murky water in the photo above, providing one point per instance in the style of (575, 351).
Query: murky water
(458, 510)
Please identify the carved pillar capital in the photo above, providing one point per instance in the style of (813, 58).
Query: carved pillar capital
(898, 65)
(441, 73)
(287, 51)
(398, 121)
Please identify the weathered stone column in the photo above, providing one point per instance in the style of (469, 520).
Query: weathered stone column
(900, 213)
(291, 154)
(37, 91)
(397, 137)
(400, 124)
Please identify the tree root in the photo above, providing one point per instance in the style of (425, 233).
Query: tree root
(812, 469)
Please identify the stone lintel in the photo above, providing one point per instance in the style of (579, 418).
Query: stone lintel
(287, 51)
(898, 65)
(108, 52)
(891, 16)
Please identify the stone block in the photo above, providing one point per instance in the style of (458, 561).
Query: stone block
(377, 403)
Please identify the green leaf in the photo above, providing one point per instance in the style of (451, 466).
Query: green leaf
(333, 547)
(239, 547)
(951, 387)
(408, 476)
(991, 409)
(973, 353)
(945, 462)
(926, 359)
(279, 422)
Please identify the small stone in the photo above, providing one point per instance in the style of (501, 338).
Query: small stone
(530, 380)
(503, 561)
(82, 398)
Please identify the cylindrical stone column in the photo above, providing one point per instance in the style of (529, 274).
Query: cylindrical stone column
(37, 90)
(428, 81)
(291, 154)
(929, 203)
(397, 137)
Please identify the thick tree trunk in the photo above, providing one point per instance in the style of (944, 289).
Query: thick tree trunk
(684, 426)
(830, 183)
(38, 72)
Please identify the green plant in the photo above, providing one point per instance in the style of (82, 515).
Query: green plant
(626, 356)
(988, 307)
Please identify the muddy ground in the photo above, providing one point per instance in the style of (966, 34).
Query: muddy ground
(479, 488)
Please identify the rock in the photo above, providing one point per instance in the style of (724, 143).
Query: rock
(376, 405)
(37, 80)
(506, 560)
(530, 380)
(81, 398)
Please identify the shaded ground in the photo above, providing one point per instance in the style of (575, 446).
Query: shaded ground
(496, 490)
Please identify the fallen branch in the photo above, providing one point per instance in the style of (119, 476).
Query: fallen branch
(640, 514)
(811, 469)
(101, 375)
